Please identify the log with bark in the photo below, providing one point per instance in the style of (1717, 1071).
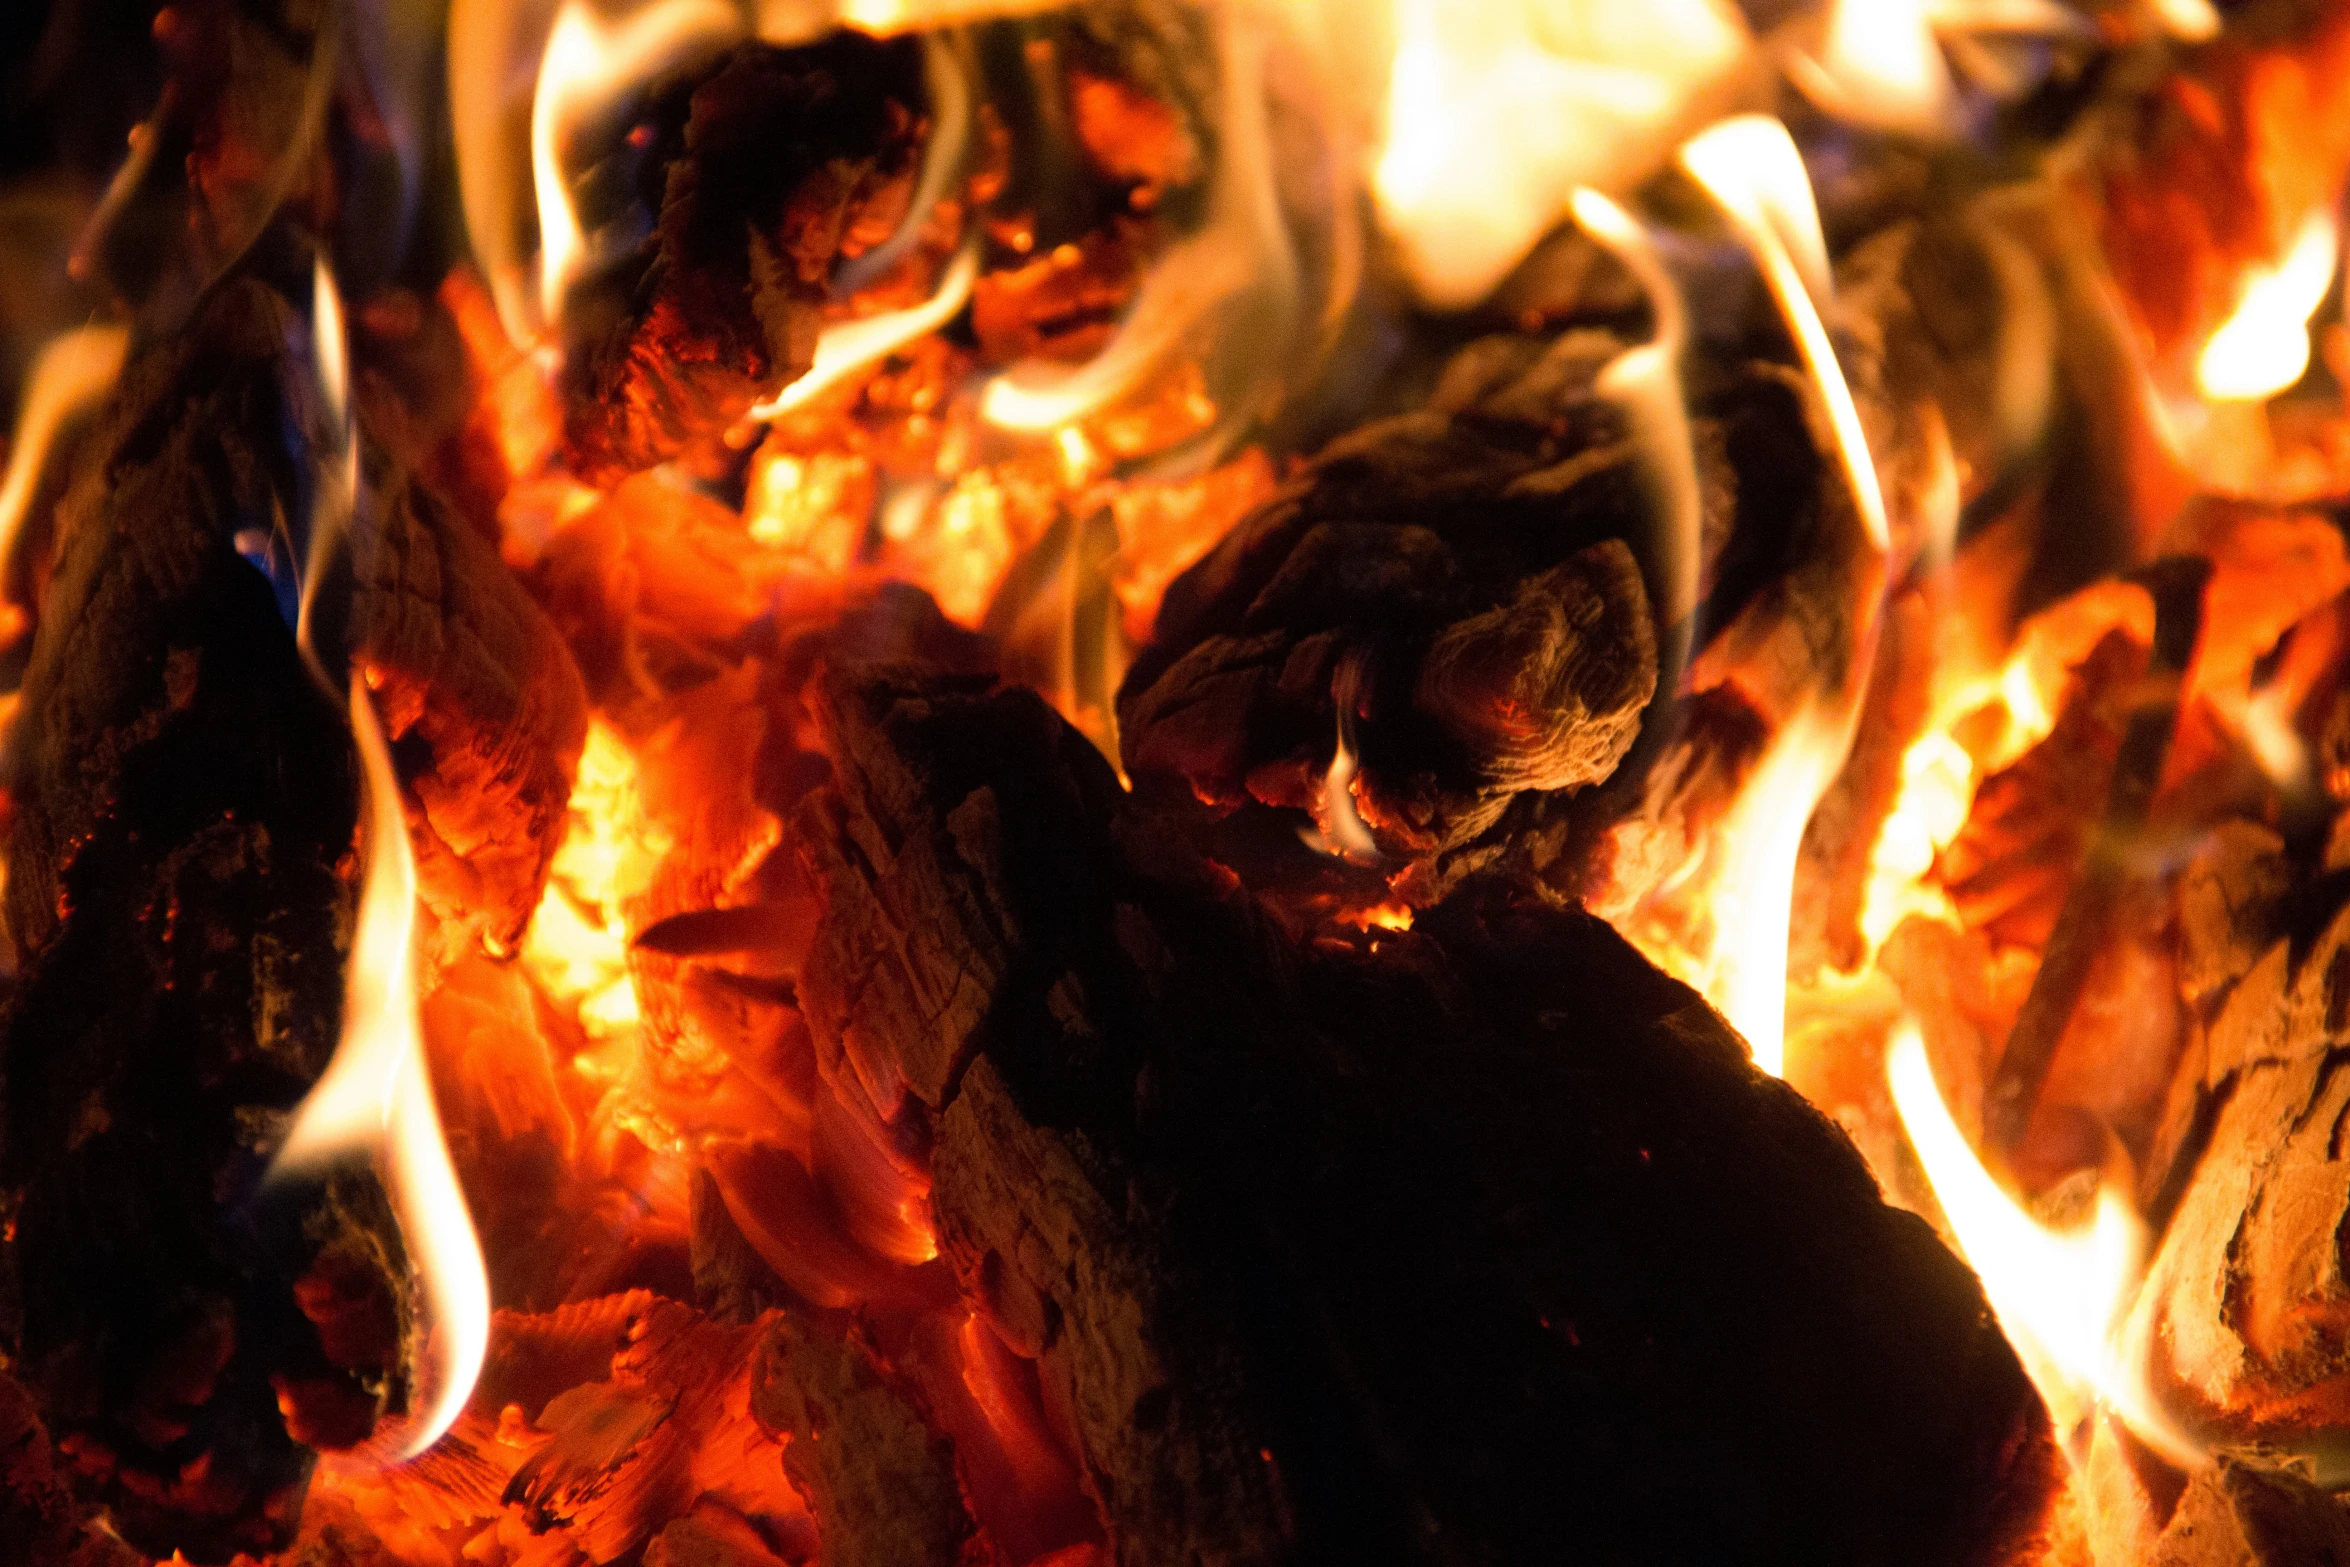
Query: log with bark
(1447, 1249)
(184, 801)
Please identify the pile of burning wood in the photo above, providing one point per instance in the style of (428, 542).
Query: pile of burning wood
(1169, 781)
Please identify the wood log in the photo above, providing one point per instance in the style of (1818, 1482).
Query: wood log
(1463, 573)
(184, 796)
(1407, 1253)
(480, 699)
(760, 174)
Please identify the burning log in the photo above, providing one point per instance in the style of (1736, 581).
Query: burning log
(479, 695)
(762, 176)
(1302, 1285)
(1445, 597)
(183, 797)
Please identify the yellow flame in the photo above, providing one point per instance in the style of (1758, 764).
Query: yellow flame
(1497, 112)
(1879, 63)
(74, 371)
(2264, 347)
(376, 1095)
(587, 63)
(2061, 1295)
(1750, 167)
(849, 346)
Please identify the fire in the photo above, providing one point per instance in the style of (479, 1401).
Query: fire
(2062, 1295)
(587, 62)
(2263, 348)
(1579, 94)
(850, 346)
(73, 372)
(377, 1096)
(1750, 167)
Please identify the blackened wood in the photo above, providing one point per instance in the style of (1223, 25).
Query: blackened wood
(1451, 1250)
(758, 178)
(183, 798)
(484, 707)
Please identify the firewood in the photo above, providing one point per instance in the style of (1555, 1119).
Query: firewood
(2235, 1515)
(1443, 577)
(480, 698)
(184, 798)
(759, 174)
(881, 1484)
(2246, 1295)
(2177, 586)
(1415, 1253)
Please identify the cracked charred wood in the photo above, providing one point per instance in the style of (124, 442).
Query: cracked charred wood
(183, 798)
(1408, 1253)
(481, 701)
(880, 1482)
(758, 178)
(1463, 572)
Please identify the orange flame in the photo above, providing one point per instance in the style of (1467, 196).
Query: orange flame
(2263, 347)
(2061, 1295)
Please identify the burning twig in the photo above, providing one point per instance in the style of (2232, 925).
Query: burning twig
(2176, 586)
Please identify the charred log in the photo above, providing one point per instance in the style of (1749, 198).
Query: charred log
(1407, 1253)
(183, 798)
(481, 701)
(762, 176)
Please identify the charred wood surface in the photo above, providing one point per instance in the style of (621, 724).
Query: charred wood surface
(1448, 1251)
(758, 177)
(183, 796)
(1472, 586)
(482, 703)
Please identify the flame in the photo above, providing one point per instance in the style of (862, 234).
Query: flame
(1879, 64)
(1339, 829)
(2263, 348)
(1750, 167)
(376, 1095)
(1496, 113)
(586, 64)
(849, 346)
(73, 372)
(2062, 1296)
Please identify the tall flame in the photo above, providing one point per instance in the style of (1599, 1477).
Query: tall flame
(74, 370)
(376, 1095)
(2263, 347)
(1750, 167)
(587, 61)
(2061, 1295)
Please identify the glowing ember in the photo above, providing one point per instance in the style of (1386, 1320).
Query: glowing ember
(2263, 348)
